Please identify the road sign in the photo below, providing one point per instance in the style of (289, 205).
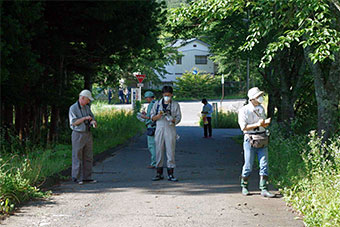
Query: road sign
(140, 85)
(194, 72)
(140, 77)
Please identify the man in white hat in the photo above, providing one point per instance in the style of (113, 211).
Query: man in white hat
(81, 120)
(252, 121)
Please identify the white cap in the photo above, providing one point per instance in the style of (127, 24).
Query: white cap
(86, 93)
(254, 92)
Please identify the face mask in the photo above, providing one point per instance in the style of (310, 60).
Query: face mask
(167, 98)
(260, 99)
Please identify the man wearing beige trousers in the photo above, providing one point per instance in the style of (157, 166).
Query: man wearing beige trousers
(81, 121)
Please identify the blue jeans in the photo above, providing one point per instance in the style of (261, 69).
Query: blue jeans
(249, 155)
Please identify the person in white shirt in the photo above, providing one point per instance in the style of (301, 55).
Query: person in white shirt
(206, 112)
(252, 121)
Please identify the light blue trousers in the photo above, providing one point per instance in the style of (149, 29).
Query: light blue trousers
(152, 149)
(249, 156)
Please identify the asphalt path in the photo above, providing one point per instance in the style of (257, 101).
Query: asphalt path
(207, 194)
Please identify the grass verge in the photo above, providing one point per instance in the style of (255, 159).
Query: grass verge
(224, 120)
(307, 172)
(21, 173)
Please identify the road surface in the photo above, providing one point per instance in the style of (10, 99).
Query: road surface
(207, 194)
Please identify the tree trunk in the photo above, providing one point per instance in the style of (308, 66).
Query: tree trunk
(87, 81)
(327, 89)
(53, 124)
(19, 125)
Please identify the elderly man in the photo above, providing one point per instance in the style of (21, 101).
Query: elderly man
(81, 120)
(150, 98)
(252, 121)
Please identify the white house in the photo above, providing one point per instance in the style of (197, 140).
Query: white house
(195, 56)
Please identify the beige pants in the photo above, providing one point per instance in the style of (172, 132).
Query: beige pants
(165, 140)
(82, 155)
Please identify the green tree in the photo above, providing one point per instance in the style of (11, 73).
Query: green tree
(290, 42)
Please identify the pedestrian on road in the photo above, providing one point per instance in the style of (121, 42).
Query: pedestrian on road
(206, 114)
(150, 98)
(81, 120)
(126, 94)
(110, 95)
(252, 121)
(167, 114)
(121, 96)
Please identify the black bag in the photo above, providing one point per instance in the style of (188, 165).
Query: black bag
(150, 131)
(259, 140)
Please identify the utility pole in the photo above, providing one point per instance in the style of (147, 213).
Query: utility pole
(222, 82)
(248, 53)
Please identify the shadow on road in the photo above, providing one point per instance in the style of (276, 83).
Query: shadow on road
(204, 166)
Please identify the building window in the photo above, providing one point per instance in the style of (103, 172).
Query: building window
(194, 45)
(201, 60)
(179, 61)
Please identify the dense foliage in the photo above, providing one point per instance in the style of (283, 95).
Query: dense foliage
(51, 50)
(308, 173)
(300, 53)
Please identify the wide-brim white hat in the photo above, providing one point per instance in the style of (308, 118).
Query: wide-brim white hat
(87, 94)
(254, 92)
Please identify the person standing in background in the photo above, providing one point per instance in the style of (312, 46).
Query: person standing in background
(206, 112)
(110, 95)
(121, 96)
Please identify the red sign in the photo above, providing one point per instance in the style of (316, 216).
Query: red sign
(140, 78)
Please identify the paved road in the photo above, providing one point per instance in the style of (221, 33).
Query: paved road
(208, 193)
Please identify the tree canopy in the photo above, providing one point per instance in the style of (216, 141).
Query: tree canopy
(53, 49)
(294, 44)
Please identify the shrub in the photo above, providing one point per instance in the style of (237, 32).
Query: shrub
(195, 86)
(307, 171)
(224, 120)
(16, 183)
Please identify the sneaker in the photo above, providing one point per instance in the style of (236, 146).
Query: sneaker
(158, 177)
(172, 178)
(266, 193)
(91, 181)
(245, 191)
(75, 180)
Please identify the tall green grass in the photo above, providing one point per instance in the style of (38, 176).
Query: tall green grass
(307, 171)
(21, 172)
(224, 120)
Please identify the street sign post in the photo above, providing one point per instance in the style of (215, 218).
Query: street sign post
(222, 82)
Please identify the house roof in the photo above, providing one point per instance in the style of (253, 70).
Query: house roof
(182, 42)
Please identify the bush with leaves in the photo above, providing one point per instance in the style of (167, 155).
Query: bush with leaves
(195, 85)
(307, 171)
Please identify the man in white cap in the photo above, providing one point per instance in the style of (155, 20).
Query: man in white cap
(252, 121)
(81, 120)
